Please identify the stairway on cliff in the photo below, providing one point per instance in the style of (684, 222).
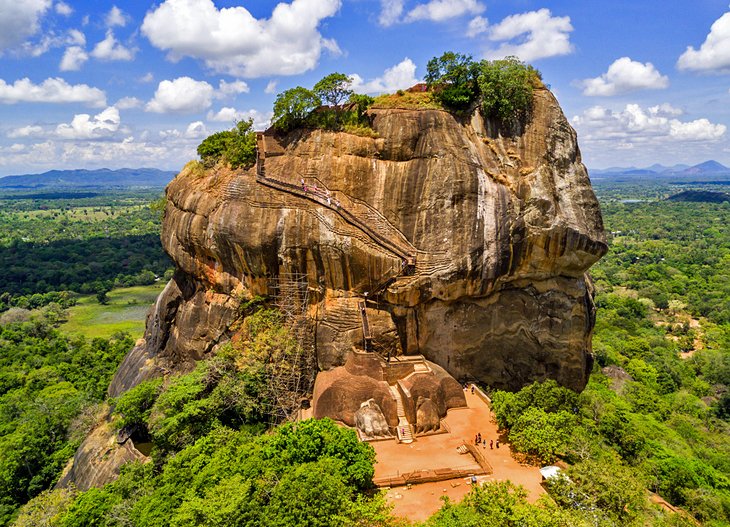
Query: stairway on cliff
(355, 211)
(405, 432)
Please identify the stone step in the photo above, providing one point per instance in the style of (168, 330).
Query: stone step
(404, 432)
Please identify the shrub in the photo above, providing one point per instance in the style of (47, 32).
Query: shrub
(134, 405)
(506, 87)
(236, 146)
(503, 87)
(293, 106)
(454, 76)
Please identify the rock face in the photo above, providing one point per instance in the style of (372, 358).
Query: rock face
(451, 249)
(502, 230)
(99, 458)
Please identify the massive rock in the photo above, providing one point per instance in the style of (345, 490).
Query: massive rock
(441, 237)
(503, 229)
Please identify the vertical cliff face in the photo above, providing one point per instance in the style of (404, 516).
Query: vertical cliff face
(468, 247)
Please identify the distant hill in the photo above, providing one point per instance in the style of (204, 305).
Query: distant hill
(708, 167)
(658, 171)
(704, 196)
(101, 178)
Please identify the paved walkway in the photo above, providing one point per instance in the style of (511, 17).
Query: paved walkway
(439, 451)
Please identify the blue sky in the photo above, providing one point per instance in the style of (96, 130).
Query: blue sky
(114, 84)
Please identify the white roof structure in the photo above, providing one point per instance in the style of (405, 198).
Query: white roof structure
(551, 471)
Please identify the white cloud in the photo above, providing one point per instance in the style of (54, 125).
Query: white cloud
(115, 17)
(20, 20)
(531, 36)
(196, 130)
(73, 58)
(390, 11)
(50, 40)
(399, 77)
(111, 49)
(147, 77)
(624, 76)
(63, 9)
(714, 54)
(665, 109)
(698, 130)
(271, 87)
(84, 126)
(75, 38)
(635, 126)
(477, 26)
(25, 131)
(52, 90)
(439, 10)
(261, 120)
(231, 89)
(127, 103)
(231, 40)
(182, 95)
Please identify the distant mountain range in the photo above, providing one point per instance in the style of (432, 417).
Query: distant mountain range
(101, 178)
(708, 168)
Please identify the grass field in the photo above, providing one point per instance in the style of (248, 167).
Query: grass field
(125, 311)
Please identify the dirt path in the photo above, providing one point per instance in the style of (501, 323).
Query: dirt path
(439, 451)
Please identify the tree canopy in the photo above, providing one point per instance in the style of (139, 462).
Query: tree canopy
(237, 146)
(334, 89)
(502, 87)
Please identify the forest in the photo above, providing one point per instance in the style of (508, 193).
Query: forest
(652, 422)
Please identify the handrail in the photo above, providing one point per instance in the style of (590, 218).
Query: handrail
(334, 200)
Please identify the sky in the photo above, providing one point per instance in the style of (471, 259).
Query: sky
(91, 84)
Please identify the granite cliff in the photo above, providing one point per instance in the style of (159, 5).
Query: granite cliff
(441, 244)
(502, 229)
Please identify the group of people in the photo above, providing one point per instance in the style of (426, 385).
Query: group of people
(319, 192)
(479, 441)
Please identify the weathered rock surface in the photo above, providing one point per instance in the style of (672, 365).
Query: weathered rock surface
(371, 422)
(99, 459)
(504, 229)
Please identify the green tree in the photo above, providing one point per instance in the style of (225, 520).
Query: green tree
(334, 89)
(213, 147)
(453, 77)
(237, 146)
(241, 151)
(506, 88)
(541, 434)
(293, 106)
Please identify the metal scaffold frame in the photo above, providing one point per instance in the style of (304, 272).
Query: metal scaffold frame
(292, 379)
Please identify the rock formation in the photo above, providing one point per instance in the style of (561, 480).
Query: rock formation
(502, 228)
(440, 237)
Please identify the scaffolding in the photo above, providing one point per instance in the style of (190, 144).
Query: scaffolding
(291, 372)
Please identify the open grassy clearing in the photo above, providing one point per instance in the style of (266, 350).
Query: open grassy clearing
(125, 311)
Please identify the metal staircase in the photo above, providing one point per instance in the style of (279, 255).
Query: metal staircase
(355, 212)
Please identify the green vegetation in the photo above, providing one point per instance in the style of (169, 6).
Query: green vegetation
(300, 107)
(503, 88)
(234, 388)
(312, 473)
(124, 311)
(50, 385)
(293, 107)
(81, 246)
(212, 466)
(655, 412)
(237, 147)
